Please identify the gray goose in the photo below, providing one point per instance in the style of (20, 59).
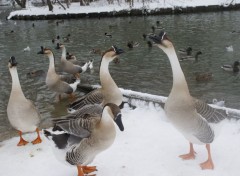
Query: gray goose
(79, 137)
(54, 81)
(68, 66)
(109, 92)
(192, 117)
(22, 113)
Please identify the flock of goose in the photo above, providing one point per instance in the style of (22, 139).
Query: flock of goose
(89, 127)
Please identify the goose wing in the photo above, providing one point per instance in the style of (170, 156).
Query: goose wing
(64, 87)
(93, 97)
(212, 115)
(82, 122)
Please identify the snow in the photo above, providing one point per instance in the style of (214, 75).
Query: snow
(149, 146)
(103, 6)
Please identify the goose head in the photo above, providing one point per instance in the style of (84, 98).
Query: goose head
(45, 51)
(115, 113)
(162, 41)
(12, 62)
(112, 53)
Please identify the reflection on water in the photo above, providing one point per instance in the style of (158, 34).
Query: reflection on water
(141, 69)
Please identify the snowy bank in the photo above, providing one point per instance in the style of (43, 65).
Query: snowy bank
(149, 146)
(102, 8)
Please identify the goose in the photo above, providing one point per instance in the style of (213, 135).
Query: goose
(78, 138)
(232, 68)
(22, 113)
(144, 36)
(187, 51)
(54, 81)
(191, 58)
(69, 67)
(109, 92)
(192, 117)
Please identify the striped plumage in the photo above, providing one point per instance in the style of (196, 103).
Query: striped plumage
(109, 92)
(193, 118)
(80, 136)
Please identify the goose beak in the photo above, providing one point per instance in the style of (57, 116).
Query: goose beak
(118, 121)
(118, 51)
(157, 38)
(13, 61)
(41, 52)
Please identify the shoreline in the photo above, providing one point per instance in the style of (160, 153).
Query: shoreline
(127, 13)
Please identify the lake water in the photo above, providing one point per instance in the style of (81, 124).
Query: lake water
(141, 69)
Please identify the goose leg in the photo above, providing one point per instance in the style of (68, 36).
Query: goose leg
(190, 155)
(209, 163)
(80, 171)
(22, 141)
(38, 139)
(77, 75)
(89, 169)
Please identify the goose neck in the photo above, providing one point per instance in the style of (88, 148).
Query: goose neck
(105, 77)
(51, 62)
(179, 81)
(16, 86)
(64, 53)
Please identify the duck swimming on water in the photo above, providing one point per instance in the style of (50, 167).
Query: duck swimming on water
(232, 68)
(192, 117)
(22, 113)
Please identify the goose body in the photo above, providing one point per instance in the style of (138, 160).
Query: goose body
(22, 113)
(192, 117)
(109, 92)
(232, 68)
(54, 81)
(68, 66)
(79, 137)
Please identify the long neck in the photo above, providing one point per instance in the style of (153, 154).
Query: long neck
(179, 81)
(105, 77)
(64, 55)
(51, 62)
(16, 87)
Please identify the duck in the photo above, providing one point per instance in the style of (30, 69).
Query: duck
(220, 103)
(36, 73)
(191, 58)
(22, 113)
(229, 48)
(57, 39)
(193, 118)
(67, 38)
(108, 35)
(144, 36)
(187, 51)
(68, 66)
(78, 138)
(109, 92)
(27, 49)
(55, 81)
(232, 68)
(206, 76)
(132, 44)
(96, 51)
(149, 43)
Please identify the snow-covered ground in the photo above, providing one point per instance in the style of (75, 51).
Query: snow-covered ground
(149, 146)
(103, 6)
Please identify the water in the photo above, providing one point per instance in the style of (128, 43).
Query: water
(140, 69)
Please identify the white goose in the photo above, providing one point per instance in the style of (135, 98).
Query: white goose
(192, 117)
(22, 113)
(78, 138)
(109, 92)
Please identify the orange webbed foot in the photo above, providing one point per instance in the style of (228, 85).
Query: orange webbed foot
(89, 169)
(37, 141)
(22, 142)
(207, 165)
(188, 156)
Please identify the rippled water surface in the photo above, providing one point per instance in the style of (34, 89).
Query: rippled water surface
(141, 69)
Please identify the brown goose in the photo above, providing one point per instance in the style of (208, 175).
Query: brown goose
(193, 118)
(22, 113)
(54, 81)
(109, 92)
(79, 137)
(68, 66)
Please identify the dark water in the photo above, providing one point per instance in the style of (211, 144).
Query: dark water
(140, 69)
